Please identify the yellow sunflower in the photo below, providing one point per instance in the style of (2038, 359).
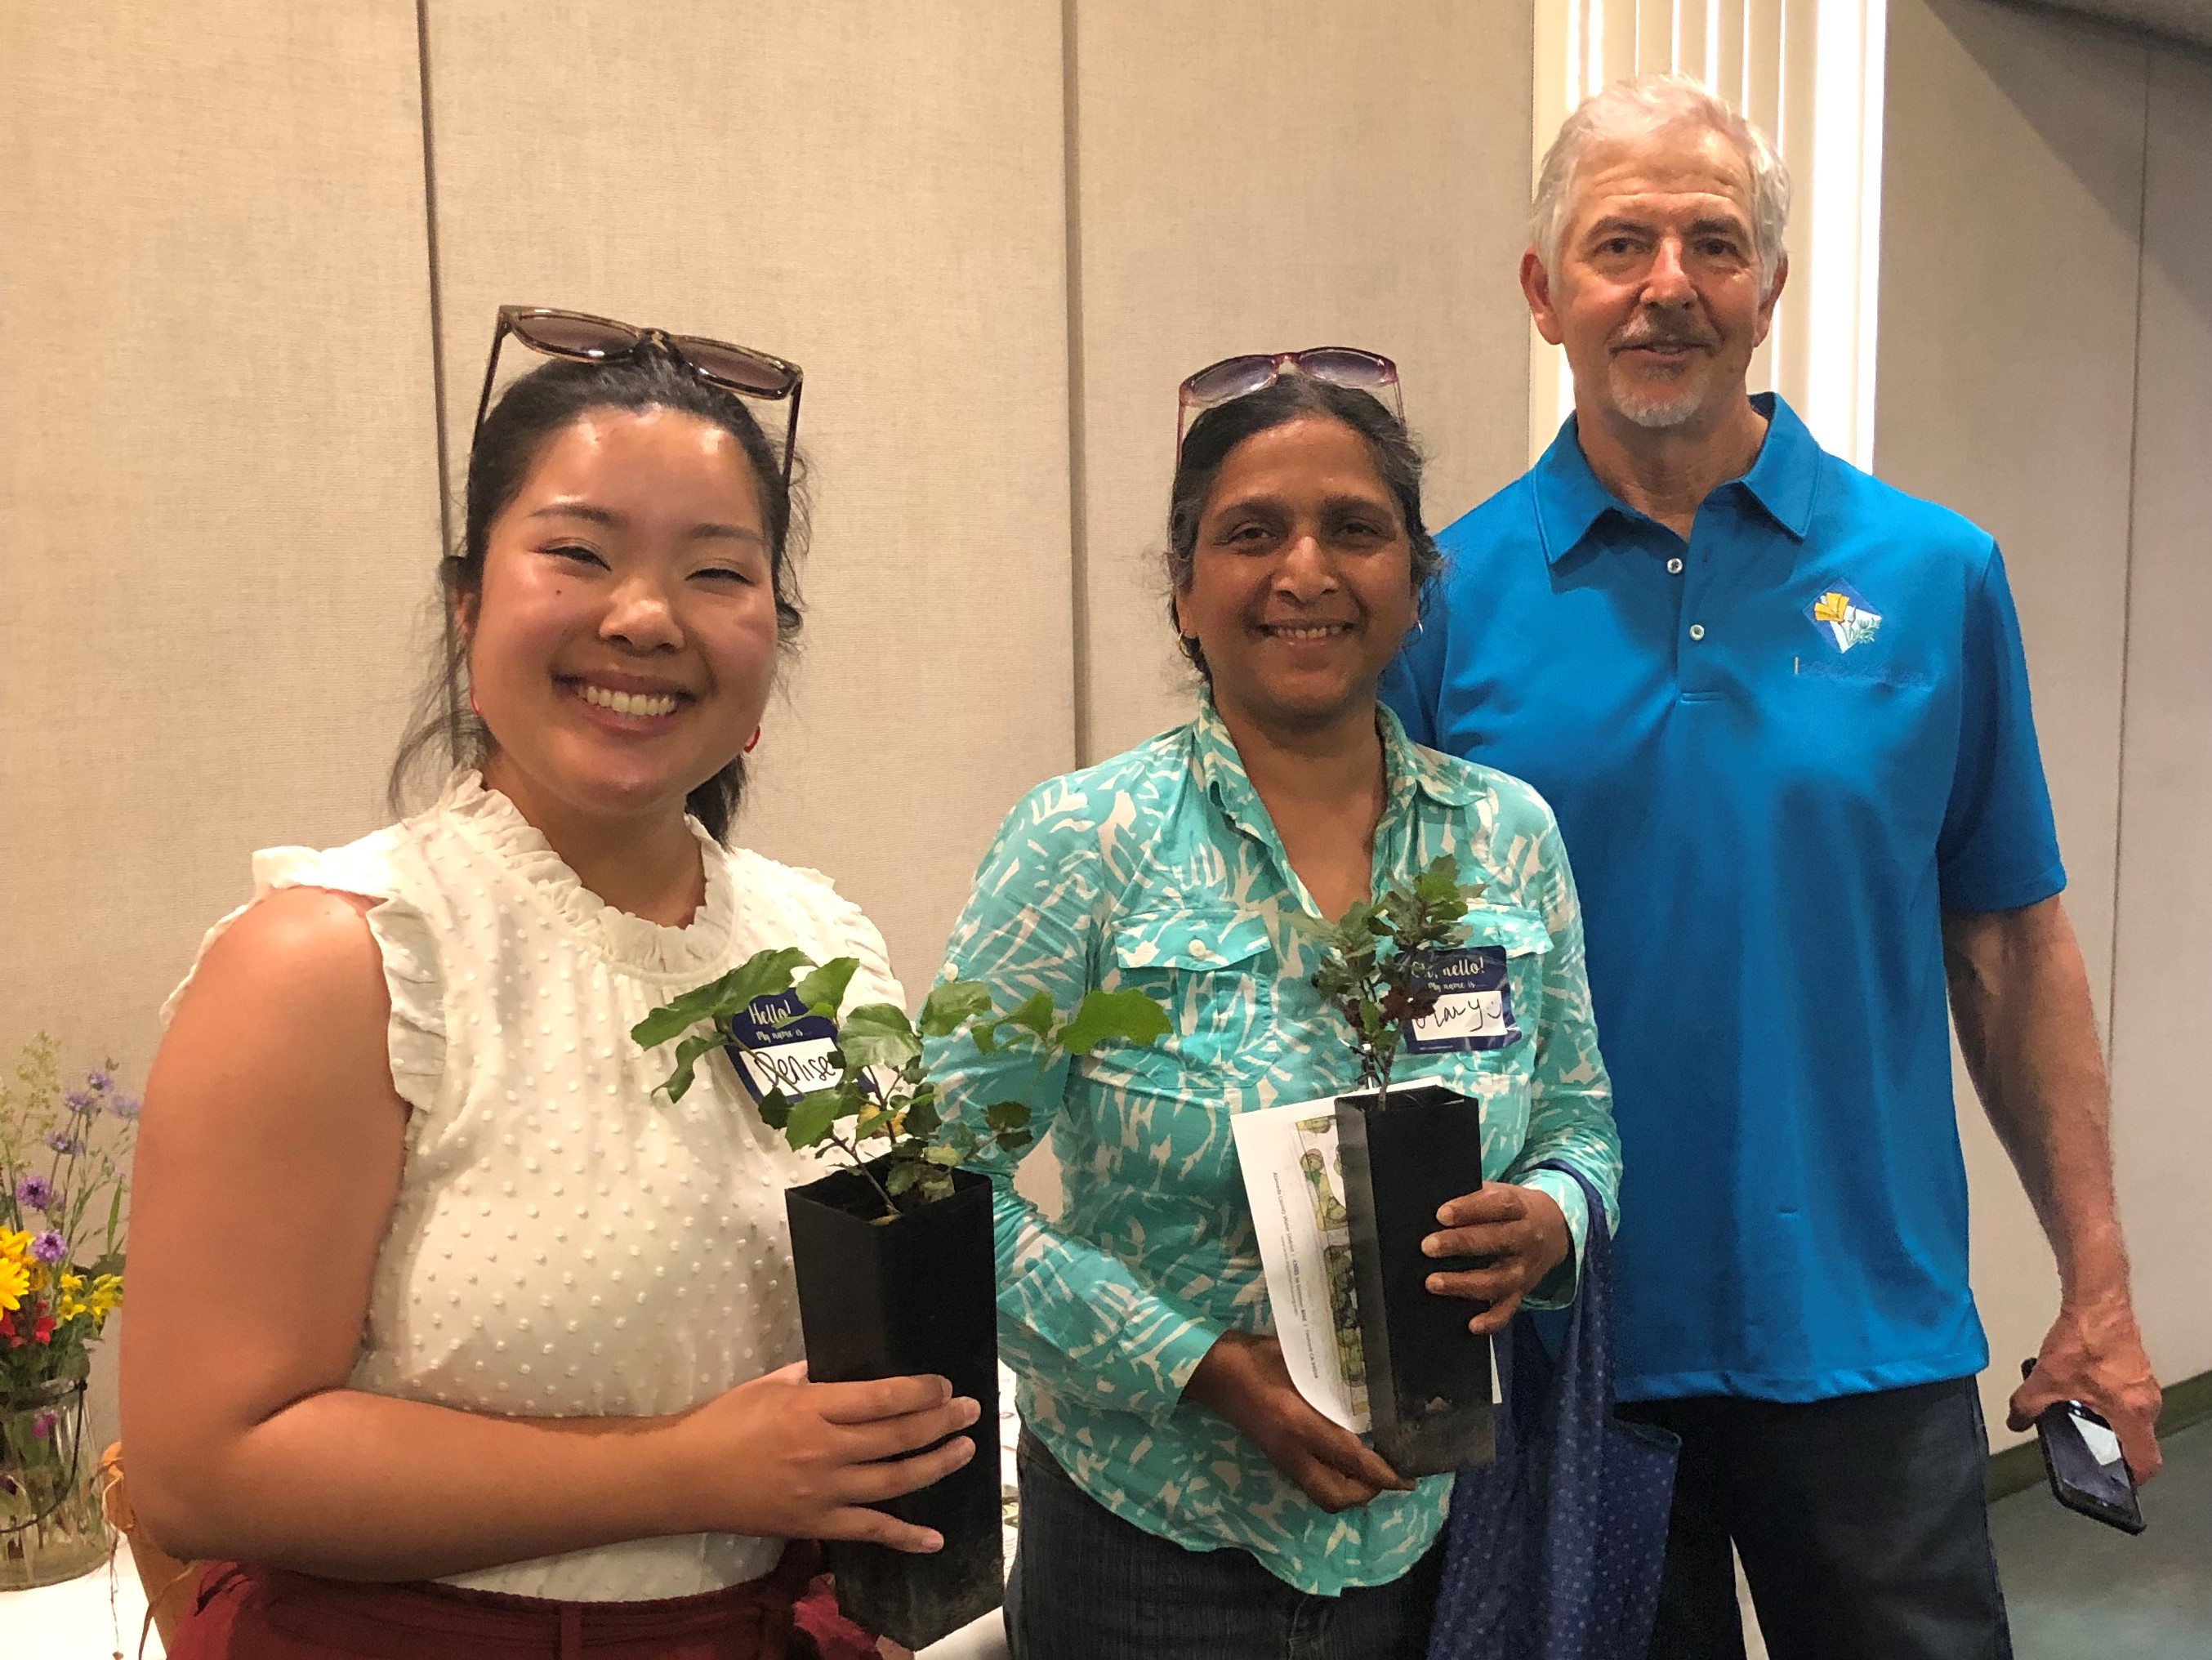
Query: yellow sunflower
(14, 1284)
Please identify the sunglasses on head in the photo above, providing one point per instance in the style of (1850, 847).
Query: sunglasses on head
(587, 339)
(1233, 377)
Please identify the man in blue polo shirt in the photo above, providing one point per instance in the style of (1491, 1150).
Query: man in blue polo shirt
(1781, 710)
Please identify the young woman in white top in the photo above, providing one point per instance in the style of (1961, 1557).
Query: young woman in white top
(427, 1284)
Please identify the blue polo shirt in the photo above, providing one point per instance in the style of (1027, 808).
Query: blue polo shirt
(1777, 753)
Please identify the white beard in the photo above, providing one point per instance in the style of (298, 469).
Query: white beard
(1656, 409)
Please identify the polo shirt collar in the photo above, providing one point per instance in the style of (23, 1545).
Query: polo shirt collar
(1569, 500)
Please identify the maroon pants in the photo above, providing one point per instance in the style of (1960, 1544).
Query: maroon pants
(245, 1612)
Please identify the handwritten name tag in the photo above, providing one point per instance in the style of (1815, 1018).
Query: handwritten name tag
(1475, 1004)
(775, 1045)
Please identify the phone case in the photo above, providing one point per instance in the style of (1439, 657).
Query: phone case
(2104, 1492)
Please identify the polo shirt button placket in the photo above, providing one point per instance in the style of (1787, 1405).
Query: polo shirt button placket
(1675, 567)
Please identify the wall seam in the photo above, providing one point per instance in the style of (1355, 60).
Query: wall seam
(1078, 559)
(430, 245)
(2128, 583)
(454, 736)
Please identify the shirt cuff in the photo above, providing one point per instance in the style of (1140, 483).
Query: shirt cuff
(1557, 1289)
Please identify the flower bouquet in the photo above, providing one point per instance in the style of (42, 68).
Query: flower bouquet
(63, 1159)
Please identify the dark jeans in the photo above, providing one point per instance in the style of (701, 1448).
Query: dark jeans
(1087, 1585)
(1861, 1521)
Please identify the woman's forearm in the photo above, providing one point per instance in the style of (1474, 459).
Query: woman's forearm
(366, 1487)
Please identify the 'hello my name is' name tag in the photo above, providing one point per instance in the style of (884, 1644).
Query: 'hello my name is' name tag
(776, 1045)
(1475, 1004)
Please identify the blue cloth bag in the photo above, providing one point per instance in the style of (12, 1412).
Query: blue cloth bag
(1554, 1552)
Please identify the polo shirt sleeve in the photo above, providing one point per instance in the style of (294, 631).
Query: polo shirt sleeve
(1998, 847)
(1411, 684)
(1072, 1316)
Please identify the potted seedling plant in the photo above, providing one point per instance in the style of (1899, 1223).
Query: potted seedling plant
(893, 1254)
(1398, 969)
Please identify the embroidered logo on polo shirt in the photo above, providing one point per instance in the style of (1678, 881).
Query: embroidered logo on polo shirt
(1844, 618)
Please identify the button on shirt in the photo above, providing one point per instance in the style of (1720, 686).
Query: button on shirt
(1160, 870)
(1776, 754)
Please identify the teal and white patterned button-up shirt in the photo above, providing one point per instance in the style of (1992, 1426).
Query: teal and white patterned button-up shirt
(1160, 869)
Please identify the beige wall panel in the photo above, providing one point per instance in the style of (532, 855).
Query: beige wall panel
(876, 191)
(1264, 176)
(2011, 194)
(2162, 1014)
(218, 473)
(218, 476)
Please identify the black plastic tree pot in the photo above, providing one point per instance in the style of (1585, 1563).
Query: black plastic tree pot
(889, 1299)
(1428, 1377)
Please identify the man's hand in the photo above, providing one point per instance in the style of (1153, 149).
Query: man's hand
(1518, 1234)
(2095, 1356)
(1244, 1380)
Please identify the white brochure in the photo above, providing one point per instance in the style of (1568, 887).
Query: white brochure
(1296, 1188)
(1295, 1185)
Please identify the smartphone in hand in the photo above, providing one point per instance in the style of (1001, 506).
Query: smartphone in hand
(2082, 1457)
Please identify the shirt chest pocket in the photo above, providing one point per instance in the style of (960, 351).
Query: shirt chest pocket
(1213, 970)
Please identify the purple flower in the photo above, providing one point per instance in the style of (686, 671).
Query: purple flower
(124, 1107)
(64, 1145)
(81, 1104)
(50, 1246)
(35, 1192)
(101, 1082)
(43, 1425)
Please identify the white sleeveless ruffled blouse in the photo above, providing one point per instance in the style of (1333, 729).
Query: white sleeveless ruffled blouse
(565, 1244)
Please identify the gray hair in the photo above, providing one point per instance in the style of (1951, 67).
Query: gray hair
(1649, 104)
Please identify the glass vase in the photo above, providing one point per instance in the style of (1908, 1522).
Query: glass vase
(50, 1524)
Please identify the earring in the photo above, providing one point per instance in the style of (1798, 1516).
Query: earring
(752, 740)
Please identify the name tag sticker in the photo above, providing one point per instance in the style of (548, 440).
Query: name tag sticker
(1475, 1004)
(775, 1045)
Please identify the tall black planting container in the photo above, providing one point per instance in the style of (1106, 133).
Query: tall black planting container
(1428, 1377)
(889, 1299)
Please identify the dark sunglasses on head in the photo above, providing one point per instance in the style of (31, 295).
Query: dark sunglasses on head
(1233, 377)
(587, 339)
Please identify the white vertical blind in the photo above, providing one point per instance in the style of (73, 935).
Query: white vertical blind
(1808, 72)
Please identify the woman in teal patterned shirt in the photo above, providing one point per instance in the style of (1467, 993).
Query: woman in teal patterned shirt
(1179, 1497)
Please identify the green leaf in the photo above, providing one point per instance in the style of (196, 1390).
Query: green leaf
(1440, 883)
(761, 974)
(903, 1174)
(824, 990)
(812, 1117)
(1034, 1016)
(878, 1035)
(687, 1060)
(950, 1006)
(775, 1110)
(1014, 1140)
(941, 1154)
(1104, 1016)
(921, 1116)
(1006, 1115)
